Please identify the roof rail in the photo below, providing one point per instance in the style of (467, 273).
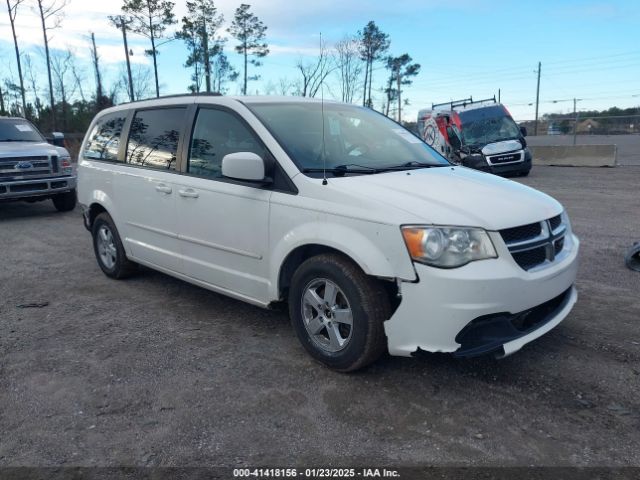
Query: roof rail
(177, 95)
(462, 103)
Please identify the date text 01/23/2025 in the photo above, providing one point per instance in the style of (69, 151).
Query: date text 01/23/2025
(315, 473)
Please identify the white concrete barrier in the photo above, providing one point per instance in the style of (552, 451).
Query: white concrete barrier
(575, 155)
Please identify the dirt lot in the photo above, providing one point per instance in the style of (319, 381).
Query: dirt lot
(153, 371)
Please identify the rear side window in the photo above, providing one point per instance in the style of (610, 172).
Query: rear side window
(153, 138)
(218, 133)
(104, 140)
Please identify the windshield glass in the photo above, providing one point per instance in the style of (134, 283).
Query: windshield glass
(18, 130)
(355, 138)
(487, 125)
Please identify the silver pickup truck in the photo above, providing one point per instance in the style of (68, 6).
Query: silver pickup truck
(32, 169)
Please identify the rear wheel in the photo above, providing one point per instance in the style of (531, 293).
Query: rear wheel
(338, 312)
(109, 250)
(65, 202)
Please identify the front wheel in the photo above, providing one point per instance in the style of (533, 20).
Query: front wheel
(65, 202)
(338, 312)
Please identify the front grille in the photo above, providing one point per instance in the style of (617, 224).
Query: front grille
(29, 187)
(528, 259)
(505, 158)
(535, 244)
(33, 167)
(555, 222)
(522, 233)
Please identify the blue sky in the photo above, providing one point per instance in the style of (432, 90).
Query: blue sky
(588, 49)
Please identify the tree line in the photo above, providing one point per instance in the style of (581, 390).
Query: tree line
(68, 105)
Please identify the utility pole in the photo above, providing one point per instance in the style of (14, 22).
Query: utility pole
(535, 125)
(575, 119)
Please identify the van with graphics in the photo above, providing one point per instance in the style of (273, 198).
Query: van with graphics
(477, 134)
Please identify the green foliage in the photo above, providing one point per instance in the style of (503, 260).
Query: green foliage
(199, 29)
(151, 18)
(373, 45)
(250, 33)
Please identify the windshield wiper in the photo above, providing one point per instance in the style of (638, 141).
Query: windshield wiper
(15, 140)
(410, 165)
(341, 170)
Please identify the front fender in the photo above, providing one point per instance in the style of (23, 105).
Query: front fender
(386, 257)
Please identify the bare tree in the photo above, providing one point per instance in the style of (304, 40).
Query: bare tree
(51, 17)
(62, 67)
(12, 7)
(79, 79)
(349, 66)
(150, 19)
(122, 22)
(284, 86)
(314, 73)
(31, 77)
(141, 83)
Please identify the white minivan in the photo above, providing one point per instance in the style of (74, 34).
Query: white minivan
(375, 240)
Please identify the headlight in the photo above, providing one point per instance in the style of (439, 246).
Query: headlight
(564, 217)
(65, 164)
(448, 247)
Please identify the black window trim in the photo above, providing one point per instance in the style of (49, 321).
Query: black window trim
(184, 154)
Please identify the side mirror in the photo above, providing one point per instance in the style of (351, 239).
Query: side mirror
(523, 131)
(56, 139)
(243, 166)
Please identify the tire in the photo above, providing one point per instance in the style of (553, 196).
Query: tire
(108, 249)
(525, 173)
(65, 202)
(346, 347)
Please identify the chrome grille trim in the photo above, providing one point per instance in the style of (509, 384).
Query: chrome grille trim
(528, 253)
(41, 165)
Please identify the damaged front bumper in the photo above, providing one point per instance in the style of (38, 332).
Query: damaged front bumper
(486, 306)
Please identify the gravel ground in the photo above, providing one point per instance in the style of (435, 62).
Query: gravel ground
(154, 371)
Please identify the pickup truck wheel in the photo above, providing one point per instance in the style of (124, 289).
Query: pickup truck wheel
(65, 202)
(338, 312)
(108, 248)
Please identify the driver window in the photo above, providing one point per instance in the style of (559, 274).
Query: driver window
(218, 133)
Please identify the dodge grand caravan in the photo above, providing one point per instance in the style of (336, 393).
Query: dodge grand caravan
(375, 240)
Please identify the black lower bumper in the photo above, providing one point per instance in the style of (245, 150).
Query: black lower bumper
(487, 334)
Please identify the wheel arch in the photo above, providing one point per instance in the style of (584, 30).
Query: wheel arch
(301, 253)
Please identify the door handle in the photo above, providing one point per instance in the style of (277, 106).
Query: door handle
(163, 188)
(189, 193)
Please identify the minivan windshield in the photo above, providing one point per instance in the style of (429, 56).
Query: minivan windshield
(486, 125)
(18, 130)
(356, 139)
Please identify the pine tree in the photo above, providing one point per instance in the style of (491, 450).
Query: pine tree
(250, 32)
(373, 45)
(151, 19)
(199, 29)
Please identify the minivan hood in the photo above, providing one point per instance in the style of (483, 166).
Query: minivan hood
(455, 196)
(23, 149)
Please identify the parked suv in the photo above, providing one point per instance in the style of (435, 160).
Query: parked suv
(32, 169)
(375, 240)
